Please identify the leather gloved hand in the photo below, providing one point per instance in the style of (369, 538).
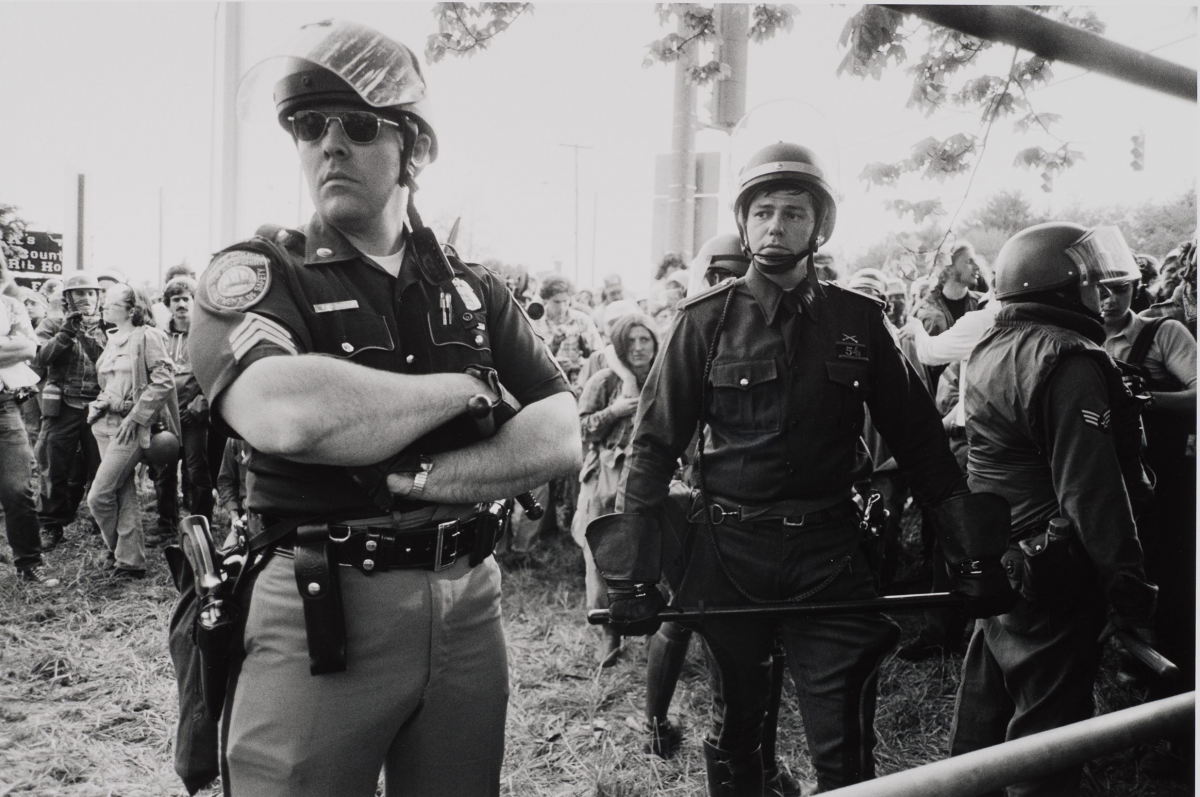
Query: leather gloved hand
(633, 608)
(73, 323)
(973, 530)
(984, 587)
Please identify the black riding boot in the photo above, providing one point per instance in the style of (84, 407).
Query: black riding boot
(664, 662)
(777, 781)
(733, 774)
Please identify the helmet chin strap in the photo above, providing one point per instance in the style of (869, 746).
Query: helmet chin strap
(781, 264)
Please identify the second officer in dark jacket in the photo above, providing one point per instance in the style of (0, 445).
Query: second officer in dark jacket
(774, 369)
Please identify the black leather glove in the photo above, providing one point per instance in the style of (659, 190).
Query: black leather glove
(633, 608)
(627, 550)
(73, 324)
(504, 407)
(973, 530)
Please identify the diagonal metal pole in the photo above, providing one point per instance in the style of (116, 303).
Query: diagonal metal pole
(1057, 41)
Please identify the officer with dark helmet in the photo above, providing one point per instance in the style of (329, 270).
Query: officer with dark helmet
(720, 258)
(772, 370)
(1050, 429)
(346, 354)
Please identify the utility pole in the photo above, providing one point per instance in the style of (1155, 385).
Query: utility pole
(681, 188)
(576, 147)
(160, 235)
(80, 249)
(227, 71)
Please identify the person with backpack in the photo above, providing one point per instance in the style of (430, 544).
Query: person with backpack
(1162, 354)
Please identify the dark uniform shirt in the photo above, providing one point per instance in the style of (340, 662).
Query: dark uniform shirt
(1041, 425)
(785, 399)
(328, 299)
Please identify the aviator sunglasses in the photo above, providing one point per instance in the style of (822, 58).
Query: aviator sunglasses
(361, 127)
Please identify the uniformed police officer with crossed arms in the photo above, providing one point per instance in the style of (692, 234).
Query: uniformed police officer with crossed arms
(345, 355)
(773, 369)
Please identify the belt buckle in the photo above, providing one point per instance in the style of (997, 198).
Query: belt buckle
(794, 524)
(439, 555)
(717, 513)
(333, 532)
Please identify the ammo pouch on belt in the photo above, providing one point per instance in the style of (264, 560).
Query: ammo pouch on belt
(1044, 567)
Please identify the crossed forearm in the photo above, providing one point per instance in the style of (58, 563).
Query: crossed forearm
(540, 443)
(322, 410)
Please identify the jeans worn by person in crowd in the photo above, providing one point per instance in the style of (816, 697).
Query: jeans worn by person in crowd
(61, 440)
(113, 497)
(16, 494)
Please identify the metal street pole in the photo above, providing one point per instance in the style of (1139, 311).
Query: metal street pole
(576, 147)
(1056, 41)
(681, 188)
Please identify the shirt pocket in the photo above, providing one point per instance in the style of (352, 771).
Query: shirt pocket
(346, 333)
(851, 386)
(746, 396)
(467, 335)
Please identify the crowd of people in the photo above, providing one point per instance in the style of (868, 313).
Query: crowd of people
(100, 388)
(363, 404)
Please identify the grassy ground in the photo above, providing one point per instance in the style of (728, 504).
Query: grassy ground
(87, 700)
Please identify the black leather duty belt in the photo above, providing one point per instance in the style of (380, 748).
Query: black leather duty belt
(717, 513)
(375, 549)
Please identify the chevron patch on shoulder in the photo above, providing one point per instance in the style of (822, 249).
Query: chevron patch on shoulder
(257, 329)
(1100, 420)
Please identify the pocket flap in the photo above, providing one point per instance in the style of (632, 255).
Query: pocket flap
(852, 375)
(744, 374)
(357, 330)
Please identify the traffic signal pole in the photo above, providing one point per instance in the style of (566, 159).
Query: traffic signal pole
(1057, 41)
(681, 189)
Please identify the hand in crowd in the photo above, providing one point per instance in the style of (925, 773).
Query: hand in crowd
(96, 410)
(624, 406)
(73, 323)
(128, 431)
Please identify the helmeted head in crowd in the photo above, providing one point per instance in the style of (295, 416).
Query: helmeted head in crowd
(870, 281)
(720, 258)
(785, 207)
(1063, 265)
(363, 134)
(81, 293)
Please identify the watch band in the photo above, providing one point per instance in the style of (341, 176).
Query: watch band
(418, 488)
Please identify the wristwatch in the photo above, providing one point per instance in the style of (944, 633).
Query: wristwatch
(419, 466)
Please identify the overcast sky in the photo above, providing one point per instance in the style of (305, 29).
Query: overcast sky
(123, 93)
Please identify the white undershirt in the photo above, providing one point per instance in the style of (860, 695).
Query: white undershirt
(389, 263)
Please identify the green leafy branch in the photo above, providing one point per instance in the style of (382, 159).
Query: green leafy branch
(466, 29)
(699, 23)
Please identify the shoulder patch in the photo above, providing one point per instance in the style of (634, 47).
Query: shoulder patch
(1097, 420)
(720, 288)
(238, 279)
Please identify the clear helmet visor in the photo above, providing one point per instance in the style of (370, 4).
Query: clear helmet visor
(784, 121)
(381, 71)
(1103, 256)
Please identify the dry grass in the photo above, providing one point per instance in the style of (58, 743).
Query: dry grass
(87, 700)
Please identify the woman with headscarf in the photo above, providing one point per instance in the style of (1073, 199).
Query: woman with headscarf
(606, 410)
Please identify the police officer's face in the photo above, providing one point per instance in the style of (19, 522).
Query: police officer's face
(351, 184)
(780, 223)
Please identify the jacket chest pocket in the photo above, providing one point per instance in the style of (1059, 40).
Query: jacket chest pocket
(851, 384)
(348, 332)
(746, 396)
